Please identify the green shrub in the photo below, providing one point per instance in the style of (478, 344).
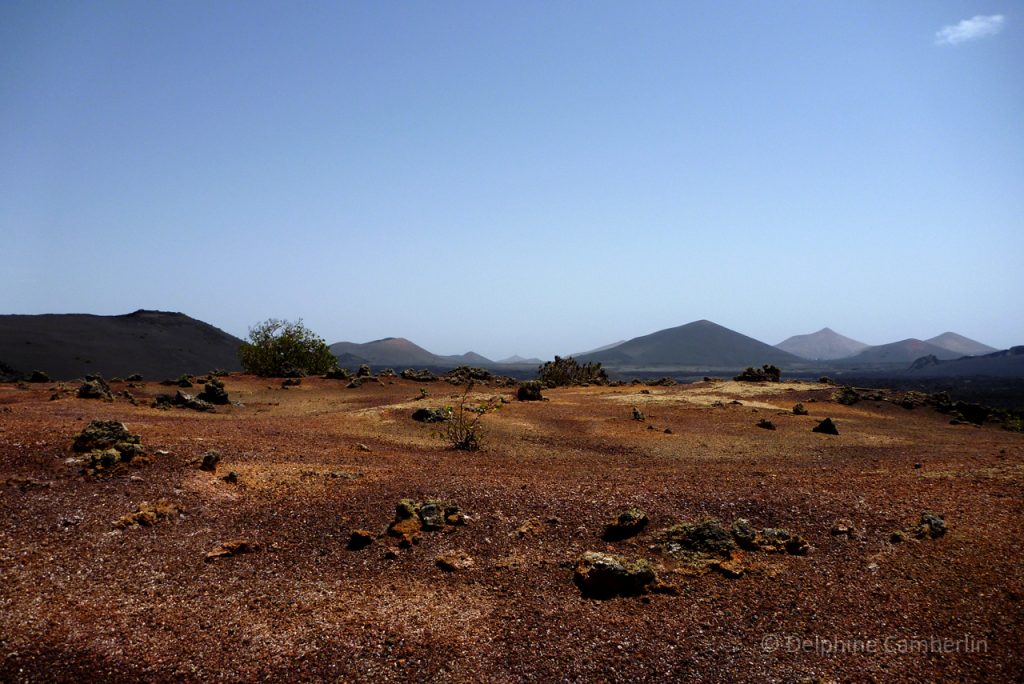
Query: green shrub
(765, 373)
(463, 429)
(279, 348)
(563, 372)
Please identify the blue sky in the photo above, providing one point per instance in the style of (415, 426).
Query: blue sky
(528, 177)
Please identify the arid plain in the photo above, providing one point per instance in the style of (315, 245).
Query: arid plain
(493, 598)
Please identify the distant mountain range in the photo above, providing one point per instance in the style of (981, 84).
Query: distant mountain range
(398, 352)
(824, 345)
(828, 345)
(157, 344)
(701, 344)
(961, 345)
(516, 360)
(162, 344)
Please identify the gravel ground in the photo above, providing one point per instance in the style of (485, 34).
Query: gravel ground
(81, 600)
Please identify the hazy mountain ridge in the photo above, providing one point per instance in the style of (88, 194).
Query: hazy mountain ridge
(697, 344)
(398, 352)
(902, 352)
(823, 345)
(964, 346)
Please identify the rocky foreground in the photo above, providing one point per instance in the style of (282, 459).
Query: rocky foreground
(240, 529)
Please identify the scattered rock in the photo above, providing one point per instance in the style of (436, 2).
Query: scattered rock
(826, 427)
(932, 526)
(847, 396)
(704, 536)
(530, 527)
(232, 548)
(799, 410)
(210, 461)
(733, 567)
(745, 534)
(106, 443)
(426, 415)
(364, 371)
(362, 447)
(214, 393)
(465, 374)
(360, 539)
(432, 516)
(95, 387)
(766, 424)
(134, 377)
(898, 537)
(419, 375)
(638, 414)
(290, 382)
(602, 575)
(454, 561)
(337, 374)
(148, 514)
(629, 523)
(230, 478)
(38, 376)
(842, 528)
(182, 400)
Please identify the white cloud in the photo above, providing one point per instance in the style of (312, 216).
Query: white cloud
(970, 29)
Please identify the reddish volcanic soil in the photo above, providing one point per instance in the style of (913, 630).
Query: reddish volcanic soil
(82, 600)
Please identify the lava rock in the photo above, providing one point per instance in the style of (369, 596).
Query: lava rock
(426, 415)
(826, 427)
(214, 393)
(360, 539)
(602, 575)
(210, 461)
(627, 524)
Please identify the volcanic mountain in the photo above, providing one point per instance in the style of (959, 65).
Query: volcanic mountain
(901, 353)
(824, 345)
(398, 352)
(157, 344)
(964, 346)
(701, 344)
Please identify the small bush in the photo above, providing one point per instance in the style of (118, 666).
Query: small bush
(463, 427)
(279, 348)
(564, 372)
(765, 373)
(529, 391)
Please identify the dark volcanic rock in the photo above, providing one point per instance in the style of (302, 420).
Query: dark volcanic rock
(426, 415)
(360, 539)
(932, 526)
(210, 461)
(38, 376)
(705, 536)
(766, 424)
(629, 523)
(826, 427)
(419, 375)
(602, 575)
(95, 387)
(214, 393)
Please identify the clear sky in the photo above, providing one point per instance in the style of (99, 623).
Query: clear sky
(518, 177)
